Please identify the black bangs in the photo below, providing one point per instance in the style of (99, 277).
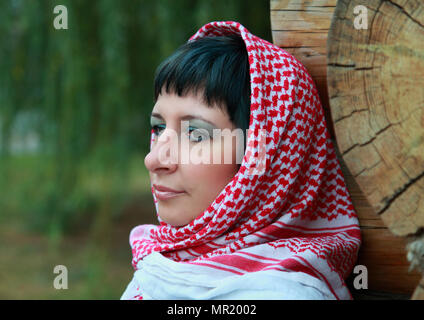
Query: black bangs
(217, 67)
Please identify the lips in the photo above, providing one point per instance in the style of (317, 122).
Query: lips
(165, 193)
(165, 189)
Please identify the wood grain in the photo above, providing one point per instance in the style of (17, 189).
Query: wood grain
(301, 28)
(381, 252)
(376, 90)
(419, 291)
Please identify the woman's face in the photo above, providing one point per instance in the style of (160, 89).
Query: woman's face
(194, 163)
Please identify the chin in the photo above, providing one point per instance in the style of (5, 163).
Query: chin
(173, 221)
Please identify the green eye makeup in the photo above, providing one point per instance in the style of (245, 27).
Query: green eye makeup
(198, 129)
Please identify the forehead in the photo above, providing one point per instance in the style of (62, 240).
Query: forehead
(172, 107)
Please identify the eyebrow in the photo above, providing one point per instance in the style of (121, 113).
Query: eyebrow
(186, 117)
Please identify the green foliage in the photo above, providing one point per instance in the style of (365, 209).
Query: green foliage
(90, 89)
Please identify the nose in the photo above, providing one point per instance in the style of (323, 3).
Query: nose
(163, 155)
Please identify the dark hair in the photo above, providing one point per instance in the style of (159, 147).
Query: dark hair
(218, 67)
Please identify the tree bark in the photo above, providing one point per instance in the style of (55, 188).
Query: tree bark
(380, 145)
(376, 91)
(376, 87)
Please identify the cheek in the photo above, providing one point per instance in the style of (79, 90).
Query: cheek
(210, 179)
(231, 151)
(204, 183)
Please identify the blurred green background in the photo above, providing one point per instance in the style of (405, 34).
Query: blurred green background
(74, 131)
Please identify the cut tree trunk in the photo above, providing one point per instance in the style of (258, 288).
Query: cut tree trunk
(376, 89)
(302, 28)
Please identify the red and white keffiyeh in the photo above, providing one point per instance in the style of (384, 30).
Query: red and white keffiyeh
(296, 218)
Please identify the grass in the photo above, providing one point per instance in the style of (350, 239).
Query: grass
(95, 271)
(95, 251)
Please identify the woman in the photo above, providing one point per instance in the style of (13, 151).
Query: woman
(278, 225)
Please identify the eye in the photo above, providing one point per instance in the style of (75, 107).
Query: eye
(198, 135)
(157, 129)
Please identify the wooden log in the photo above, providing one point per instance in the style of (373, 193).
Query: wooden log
(376, 87)
(301, 27)
(419, 291)
(376, 91)
(381, 252)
